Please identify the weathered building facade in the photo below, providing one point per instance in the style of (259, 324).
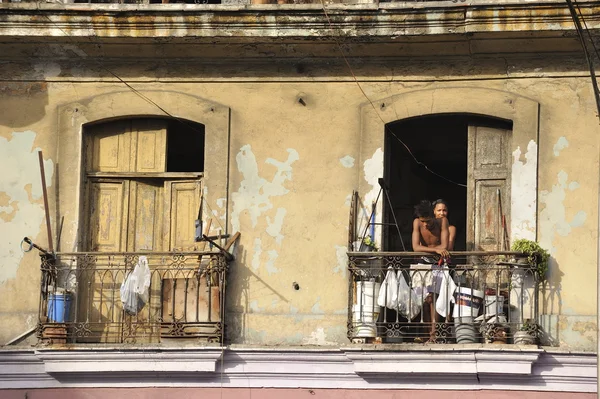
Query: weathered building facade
(264, 119)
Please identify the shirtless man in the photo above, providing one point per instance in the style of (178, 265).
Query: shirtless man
(429, 234)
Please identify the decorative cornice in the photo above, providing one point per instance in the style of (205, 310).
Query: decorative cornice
(348, 22)
(57, 362)
(351, 368)
(463, 362)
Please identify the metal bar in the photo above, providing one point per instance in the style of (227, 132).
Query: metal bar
(452, 253)
(46, 210)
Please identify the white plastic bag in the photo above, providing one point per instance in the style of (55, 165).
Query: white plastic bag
(135, 288)
(447, 288)
(409, 305)
(388, 295)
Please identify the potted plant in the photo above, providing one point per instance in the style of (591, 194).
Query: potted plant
(526, 335)
(368, 245)
(536, 255)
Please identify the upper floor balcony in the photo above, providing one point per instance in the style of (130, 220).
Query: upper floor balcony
(108, 298)
(407, 297)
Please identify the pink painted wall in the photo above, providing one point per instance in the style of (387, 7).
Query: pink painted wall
(270, 393)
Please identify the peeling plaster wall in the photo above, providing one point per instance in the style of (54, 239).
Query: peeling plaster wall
(523, 193)
(291, 171)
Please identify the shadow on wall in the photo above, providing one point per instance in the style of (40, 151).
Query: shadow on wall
(238, 294)
(551, 304)
(22, 103)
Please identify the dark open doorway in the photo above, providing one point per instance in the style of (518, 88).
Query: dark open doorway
(441, 143)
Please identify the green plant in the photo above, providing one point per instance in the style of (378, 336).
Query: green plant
(370, 243)
(529, 326)
(536, 255)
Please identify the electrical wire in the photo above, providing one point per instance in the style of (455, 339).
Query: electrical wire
(128, 85)
(417, 161)
(339, 47)
(587, 30)
(590, 63)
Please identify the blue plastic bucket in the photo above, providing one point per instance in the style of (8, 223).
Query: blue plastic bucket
(59, 306)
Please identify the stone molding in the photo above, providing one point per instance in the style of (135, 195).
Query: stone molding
(438, 368)
(223, 22)
(57, 362)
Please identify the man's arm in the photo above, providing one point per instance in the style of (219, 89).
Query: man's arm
(451, 237)
(442, 249)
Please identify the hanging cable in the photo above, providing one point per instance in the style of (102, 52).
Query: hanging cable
(128, 85)
(387, 129)
(590, 63)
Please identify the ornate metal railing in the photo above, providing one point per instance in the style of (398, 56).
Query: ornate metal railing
(81, 298)
(408, 297)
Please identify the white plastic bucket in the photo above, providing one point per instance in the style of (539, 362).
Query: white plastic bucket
(364, 322)
(494, 305)
(366, 311)
(468, 302)
(366, 295)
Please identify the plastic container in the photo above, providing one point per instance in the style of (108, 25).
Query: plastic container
(366, 311)
(494, 305)
(59, 307)
(468, 302)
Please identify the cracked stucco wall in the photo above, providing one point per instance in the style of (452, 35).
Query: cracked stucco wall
(292, 168)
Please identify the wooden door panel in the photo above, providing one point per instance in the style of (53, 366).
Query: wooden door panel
(490, 149)
(110, 147)
(151, 145)
(488, 221)
(488, 187)
(183, 199)
(145, 216)
(108, 215)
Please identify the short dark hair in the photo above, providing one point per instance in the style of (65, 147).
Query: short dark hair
(440, 201)
(424, 210)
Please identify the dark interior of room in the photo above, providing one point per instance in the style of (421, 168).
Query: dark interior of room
(185, 146)
(440, 142)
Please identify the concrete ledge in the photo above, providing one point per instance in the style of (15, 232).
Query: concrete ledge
(334, 368)
(140, 361)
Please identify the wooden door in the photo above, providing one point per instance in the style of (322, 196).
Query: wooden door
(182, 202)
(134, 205)
(109, 214)
(488, 181)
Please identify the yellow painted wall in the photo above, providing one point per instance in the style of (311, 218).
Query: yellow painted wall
(289, 187)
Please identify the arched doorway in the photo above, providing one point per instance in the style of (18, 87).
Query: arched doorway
(462, 158)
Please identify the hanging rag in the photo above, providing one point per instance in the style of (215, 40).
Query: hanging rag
(409, 304)
(388, 295)
(446, 293)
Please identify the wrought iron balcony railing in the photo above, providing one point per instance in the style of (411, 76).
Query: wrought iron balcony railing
(81, 298)
(407, 297)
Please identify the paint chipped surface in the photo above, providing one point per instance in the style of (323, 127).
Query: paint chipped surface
(21, 207)
(255, 192)
(373, 170)
(348, 200)
(578, 332)
(347, 161)
(254, 199)
(553, 218)
(342, 260)
(560, 145)
(273, 255)
(524, 193)
(257, 252)
(274, 227)
(318, 337)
